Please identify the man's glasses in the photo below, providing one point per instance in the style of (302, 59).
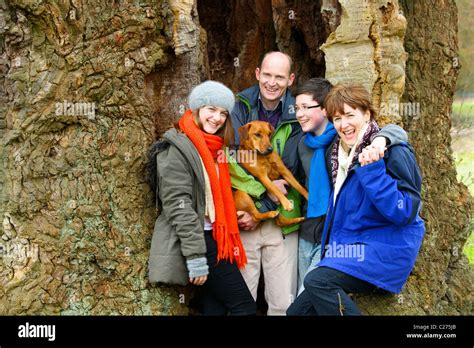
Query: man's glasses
(305, 108)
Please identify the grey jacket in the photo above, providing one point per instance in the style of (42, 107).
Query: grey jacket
(178, 236)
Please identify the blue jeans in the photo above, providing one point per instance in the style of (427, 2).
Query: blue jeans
(326, 291)
(309, 255)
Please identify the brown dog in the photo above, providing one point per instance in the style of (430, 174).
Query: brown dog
(255, 136)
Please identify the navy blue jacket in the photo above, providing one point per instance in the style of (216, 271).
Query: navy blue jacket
(373, 231)
(246, 110)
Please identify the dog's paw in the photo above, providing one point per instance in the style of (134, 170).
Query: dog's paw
(287, 205)
(273, 214)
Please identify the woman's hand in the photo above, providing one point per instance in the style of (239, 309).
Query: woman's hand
(246, 221)
(198, 280)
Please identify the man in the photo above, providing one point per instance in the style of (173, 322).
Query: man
(269, 247)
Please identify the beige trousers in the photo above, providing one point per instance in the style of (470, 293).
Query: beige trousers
(266, 249)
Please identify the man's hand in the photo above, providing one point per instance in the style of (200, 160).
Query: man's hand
(246, 221)
(280, 183)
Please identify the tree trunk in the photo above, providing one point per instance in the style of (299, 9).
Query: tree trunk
(444, 279)
(88, 86)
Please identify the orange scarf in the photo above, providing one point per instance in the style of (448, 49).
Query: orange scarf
(225, 228)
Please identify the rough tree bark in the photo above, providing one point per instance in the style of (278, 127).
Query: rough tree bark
(418, 95)
(76, 214)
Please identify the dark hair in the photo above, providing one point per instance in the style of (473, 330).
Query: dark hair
(316, 87)
(285, 54)
(354, 95)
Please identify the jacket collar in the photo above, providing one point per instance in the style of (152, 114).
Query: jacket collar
(187, 148)
(251, 95)
(260, 103)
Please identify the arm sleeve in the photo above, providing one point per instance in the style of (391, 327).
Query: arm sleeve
(175, 178)
(301, 174)
(237, 116)
(197, 267)
(265, 204)
(394, 134)
(243, 181)
(394, 188)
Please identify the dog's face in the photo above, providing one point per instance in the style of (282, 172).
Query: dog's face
(256, 136)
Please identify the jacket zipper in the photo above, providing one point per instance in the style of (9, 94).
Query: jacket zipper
(276, 131)
(334, 214)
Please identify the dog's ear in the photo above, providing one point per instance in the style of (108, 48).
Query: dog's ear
(271, 128)
(244, 132)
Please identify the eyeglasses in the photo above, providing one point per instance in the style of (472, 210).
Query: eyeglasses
(305, 108)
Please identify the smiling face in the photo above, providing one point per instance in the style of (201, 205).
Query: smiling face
(311, 120)
(274, 78)
(349, 124)
(212, 118)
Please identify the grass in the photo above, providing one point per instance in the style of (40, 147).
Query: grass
(463, 113)
(464, 161)
(465, 172)
(465, 107)
(469, 249)
(463, 148)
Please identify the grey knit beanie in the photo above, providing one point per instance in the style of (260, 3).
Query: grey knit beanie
(211, 93)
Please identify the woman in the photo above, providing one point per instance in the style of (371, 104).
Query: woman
(196, 236)
(372, 232)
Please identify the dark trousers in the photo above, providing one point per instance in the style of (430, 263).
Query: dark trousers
(326, 292)
(225, 291)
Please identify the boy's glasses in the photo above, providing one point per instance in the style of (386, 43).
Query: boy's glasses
(305, 108)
